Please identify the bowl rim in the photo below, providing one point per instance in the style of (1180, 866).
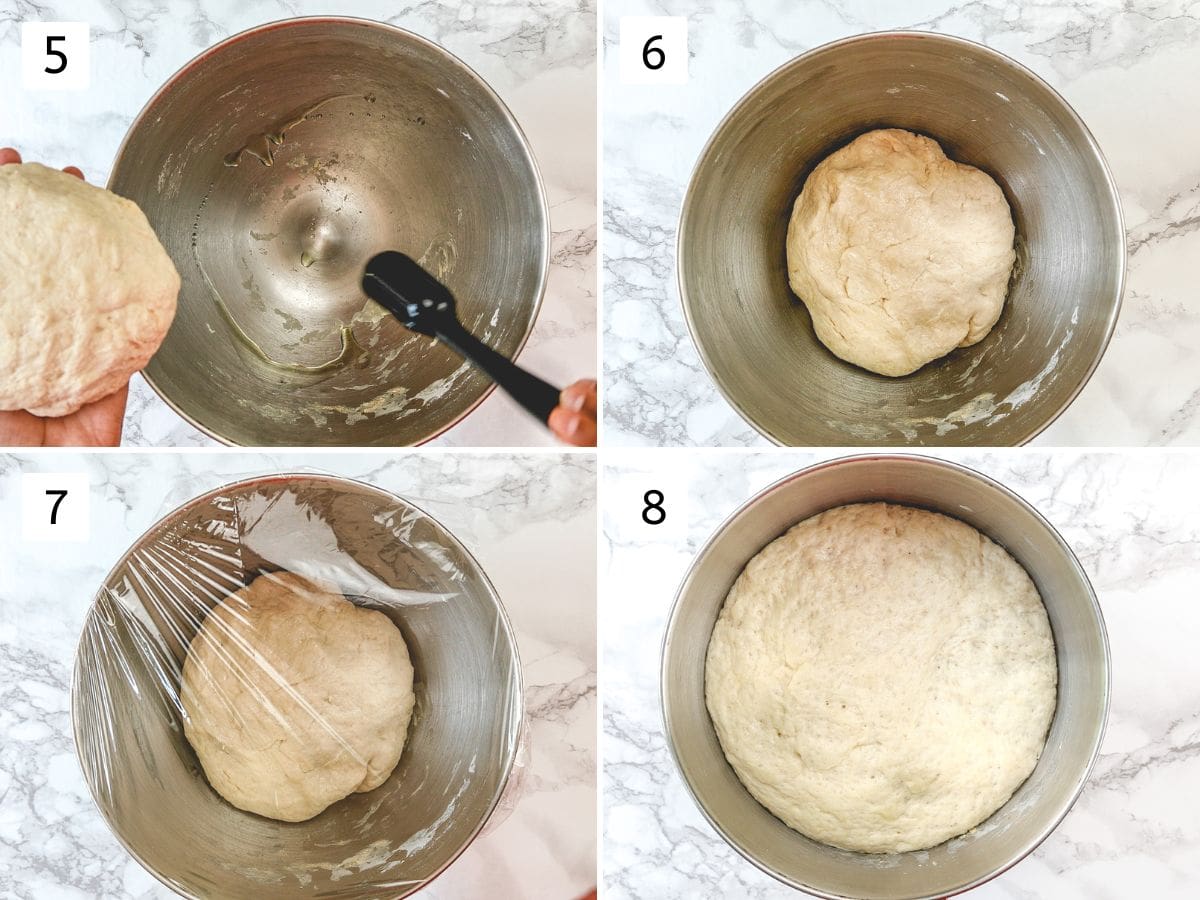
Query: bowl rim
(454, 60)
(857, 459)
(903, 34)
(518, 688)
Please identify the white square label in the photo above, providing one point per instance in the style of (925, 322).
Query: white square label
(659, 504)
(55, 56)
(653, 50)
(55, 506)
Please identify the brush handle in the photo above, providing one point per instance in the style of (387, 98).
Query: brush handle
(537, 396)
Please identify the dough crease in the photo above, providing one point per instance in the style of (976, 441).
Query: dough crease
(882, 678)
(899, 253)
(295, 698)
(87, 292)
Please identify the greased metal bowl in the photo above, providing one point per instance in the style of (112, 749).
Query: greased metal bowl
(462, 740)
(1075, 734)
(349, 137)
(756, 337)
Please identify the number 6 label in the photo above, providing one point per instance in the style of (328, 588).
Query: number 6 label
(55, 506)
(55, 56)
(653, 50)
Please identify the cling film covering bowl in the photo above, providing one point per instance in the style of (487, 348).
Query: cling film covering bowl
(381, 552)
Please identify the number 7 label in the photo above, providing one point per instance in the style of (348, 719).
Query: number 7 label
(55, 506)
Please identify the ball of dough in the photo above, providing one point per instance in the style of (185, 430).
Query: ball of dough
(294, 697)
(899, 253)
(882, 678)
(87, 293)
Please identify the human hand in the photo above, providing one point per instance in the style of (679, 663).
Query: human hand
(8, 156)
(574, 419)
(96, 425)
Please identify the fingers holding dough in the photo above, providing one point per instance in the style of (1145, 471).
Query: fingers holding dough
(90, 295)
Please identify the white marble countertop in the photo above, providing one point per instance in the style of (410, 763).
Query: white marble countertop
(1129, 67)
(531, 523)
(539, 57)
(1130, 518)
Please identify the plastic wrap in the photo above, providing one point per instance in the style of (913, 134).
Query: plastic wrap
(464, 740)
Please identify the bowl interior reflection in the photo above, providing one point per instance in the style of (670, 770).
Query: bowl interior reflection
(273, 166)
(1075, 733)
(755, 335)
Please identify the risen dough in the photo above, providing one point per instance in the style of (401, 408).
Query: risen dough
(295, 698)
(899, 253)
(86, 295)
(882, 678)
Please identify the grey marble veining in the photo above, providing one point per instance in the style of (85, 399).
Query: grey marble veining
(1130, 518)
(529, 520)
(539, 56)
(1129, 67)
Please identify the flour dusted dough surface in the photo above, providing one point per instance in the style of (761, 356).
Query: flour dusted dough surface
(86, 295)
(899, 253)
(882, 678)
(295, 698)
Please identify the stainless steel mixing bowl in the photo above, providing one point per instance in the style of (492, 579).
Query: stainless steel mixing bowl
(1075, 733)
(754, 334)
(145, 777)
(272, 167)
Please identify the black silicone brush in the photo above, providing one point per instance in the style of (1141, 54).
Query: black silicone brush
(400, 285)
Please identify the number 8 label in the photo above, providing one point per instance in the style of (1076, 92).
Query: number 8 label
(654, 513)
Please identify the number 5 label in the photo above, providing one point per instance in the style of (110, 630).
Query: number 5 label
(55, 506)
(653, 50)
(55, 56)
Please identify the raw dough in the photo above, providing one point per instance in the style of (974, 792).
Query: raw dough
(899, 253)
(882, 678)
(87, 292)
(294, 697)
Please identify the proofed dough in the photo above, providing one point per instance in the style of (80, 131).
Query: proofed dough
(294, 697)
(87, 292)
(882, 678)
(899, 253)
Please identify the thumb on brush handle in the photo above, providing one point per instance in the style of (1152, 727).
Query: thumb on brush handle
(538, 397)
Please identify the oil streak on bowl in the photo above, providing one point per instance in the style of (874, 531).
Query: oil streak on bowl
(272, 167)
